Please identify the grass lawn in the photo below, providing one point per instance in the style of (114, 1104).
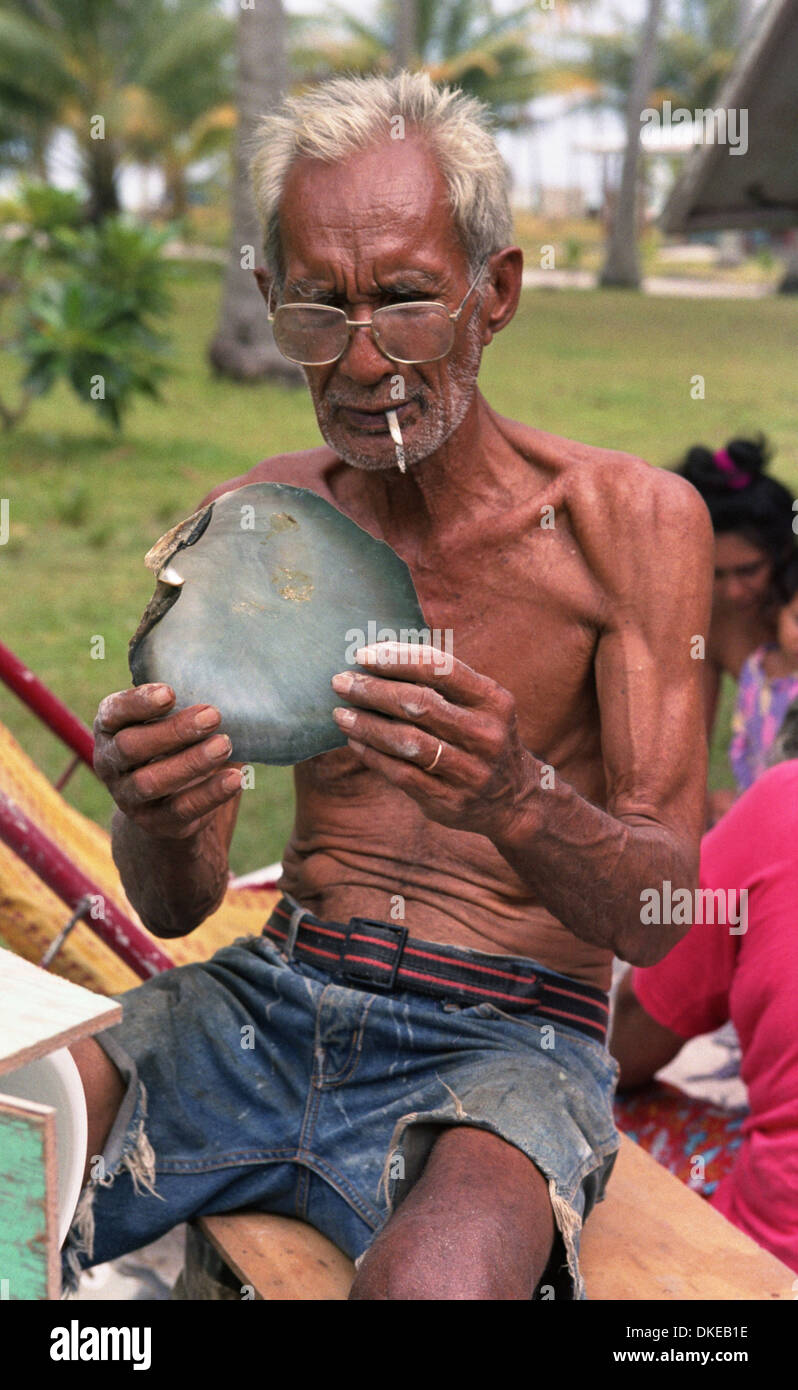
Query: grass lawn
(580, 243)
(611, 368)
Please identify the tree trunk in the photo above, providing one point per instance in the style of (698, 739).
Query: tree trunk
(101, 159)
(243, 346)
(176, 190)
(41, 140)
(405, 33)
(622, 264)
(789, 282)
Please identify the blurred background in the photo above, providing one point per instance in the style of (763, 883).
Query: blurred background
(136, 368)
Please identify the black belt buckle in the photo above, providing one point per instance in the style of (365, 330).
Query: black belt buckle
(537, 992)
(381, 984)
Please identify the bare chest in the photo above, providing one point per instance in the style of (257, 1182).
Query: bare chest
(510, 594)
(518, 605)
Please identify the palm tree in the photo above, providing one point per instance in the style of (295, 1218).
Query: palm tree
(465, 42)
(621, 266)
(181, 109)
(243, 346)
(96, 68)
(33, 87)
(28, 110)
(694, 52)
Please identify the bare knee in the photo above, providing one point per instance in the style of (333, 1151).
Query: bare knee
(478, 1224)
(104, 1090)
(419, 1262)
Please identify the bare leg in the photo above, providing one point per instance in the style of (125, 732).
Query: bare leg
(478, 1224)
(104, 1090)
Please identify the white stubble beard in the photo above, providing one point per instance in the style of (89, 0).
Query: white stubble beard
(436, 423)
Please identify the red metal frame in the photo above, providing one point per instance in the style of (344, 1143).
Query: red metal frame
(42, 854)
(57, 870)
(55, 714)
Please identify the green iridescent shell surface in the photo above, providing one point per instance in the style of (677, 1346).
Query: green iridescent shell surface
(262, 597)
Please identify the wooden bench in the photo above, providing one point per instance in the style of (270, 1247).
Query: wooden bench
(650, 1239)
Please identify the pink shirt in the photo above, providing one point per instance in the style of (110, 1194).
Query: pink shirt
(711, 976)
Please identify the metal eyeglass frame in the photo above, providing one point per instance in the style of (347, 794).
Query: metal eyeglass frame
(367, 323)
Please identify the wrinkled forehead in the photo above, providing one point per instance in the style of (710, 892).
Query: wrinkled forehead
(388, 201)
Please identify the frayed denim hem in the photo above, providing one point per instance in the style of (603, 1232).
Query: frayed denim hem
(127, 1147)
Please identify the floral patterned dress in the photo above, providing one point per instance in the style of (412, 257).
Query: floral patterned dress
(762, 702)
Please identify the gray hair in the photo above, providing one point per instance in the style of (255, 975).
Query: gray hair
(331, 121)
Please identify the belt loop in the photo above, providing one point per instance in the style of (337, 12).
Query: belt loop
(293, 927)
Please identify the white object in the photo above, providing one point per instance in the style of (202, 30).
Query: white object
(55, 1080)
(396, 436)
(259, 878)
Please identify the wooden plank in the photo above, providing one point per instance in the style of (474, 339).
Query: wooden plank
(652, 1238)
(42, 1012)
(29, 1263)
(282, 1259)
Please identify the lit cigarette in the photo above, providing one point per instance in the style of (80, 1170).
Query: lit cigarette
(396, 436)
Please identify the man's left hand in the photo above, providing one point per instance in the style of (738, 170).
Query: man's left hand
(441, 732)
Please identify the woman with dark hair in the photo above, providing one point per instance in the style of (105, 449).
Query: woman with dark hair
(752, 517)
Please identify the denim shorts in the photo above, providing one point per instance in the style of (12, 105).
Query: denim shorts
(254, 1081)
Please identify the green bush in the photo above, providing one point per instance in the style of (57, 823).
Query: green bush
(86, 300)
(39, 207)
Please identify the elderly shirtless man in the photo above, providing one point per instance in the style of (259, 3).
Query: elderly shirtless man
(438, 1101)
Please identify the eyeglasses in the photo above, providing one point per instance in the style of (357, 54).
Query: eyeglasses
(314, 335)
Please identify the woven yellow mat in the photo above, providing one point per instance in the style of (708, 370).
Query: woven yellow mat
(31, 915)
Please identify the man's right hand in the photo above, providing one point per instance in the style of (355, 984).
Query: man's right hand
(166, 771)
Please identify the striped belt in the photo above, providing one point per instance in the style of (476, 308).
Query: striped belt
(379, 956)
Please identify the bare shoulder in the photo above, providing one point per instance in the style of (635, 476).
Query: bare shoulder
(607, 482)
(629, 517)
(306, 468)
